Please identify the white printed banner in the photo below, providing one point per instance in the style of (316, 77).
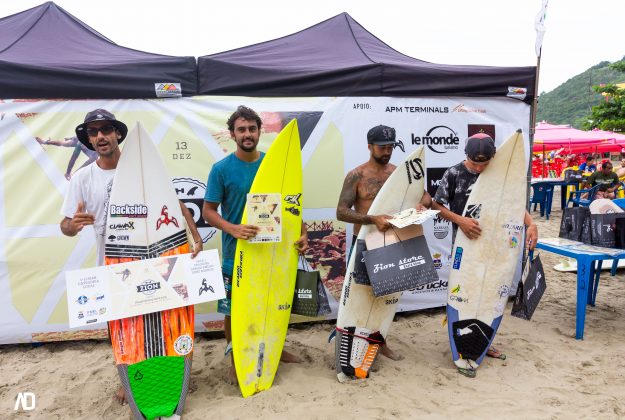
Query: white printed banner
(100, 294)
(39, 153)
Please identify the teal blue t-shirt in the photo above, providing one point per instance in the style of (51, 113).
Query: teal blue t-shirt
(228, 183)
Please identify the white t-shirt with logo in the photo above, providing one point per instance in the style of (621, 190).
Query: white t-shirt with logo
(91, 185)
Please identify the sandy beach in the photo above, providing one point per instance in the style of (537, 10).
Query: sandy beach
(548, 374)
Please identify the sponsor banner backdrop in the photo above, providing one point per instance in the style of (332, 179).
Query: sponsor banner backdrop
(39, 153)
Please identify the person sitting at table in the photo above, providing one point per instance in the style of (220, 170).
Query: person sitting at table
(589, 165)
(620, 171)
(604, 177)
(602, 192)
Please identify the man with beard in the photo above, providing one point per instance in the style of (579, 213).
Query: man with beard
(228, 183)
(362, 185)
(89, 189)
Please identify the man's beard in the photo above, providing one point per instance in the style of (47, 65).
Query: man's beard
(247, 149)
(382, 160)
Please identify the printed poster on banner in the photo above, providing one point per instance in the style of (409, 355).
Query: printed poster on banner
(265, 212)
(100, 294)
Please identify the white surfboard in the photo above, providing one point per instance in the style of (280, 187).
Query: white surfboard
(604, 206)
(153, 352)
(364, 320)
(483, 269)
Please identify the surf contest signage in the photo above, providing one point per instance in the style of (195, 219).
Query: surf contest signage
(100, 294)
(191, 135)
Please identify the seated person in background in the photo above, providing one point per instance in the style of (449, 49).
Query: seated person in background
(620, 171)
(604, 176)
(602, 192)
(572, 161)
(589, 165)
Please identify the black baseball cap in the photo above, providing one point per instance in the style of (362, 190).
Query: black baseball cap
(383, 135)
(480, 148)
(99, 115)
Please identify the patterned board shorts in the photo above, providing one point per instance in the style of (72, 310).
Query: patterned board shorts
(223, 305)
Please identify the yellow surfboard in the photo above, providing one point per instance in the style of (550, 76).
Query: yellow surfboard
(264, 273)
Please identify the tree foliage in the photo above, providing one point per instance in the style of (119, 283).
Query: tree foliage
(610, 114)
(572, 102)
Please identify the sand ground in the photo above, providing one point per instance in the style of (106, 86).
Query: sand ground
(547, 375)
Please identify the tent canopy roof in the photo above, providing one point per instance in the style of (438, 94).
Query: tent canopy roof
(550, 133)
(45, 52)
(339, 57)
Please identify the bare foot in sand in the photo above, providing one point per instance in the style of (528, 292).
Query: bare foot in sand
(120, 396)
(289, 357)
(495, 354)
(231, 378)
(386, 351)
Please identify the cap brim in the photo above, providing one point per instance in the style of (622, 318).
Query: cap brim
(385, 143)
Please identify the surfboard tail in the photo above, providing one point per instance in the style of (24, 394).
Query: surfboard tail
(356, 350)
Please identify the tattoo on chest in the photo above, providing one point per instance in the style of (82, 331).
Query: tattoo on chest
(371, 187)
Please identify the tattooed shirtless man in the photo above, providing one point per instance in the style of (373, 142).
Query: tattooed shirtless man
(361, 186)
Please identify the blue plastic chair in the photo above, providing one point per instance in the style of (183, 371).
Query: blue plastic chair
(575, 197)
(542, 194)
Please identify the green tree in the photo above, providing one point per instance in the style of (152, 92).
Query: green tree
(610, 114)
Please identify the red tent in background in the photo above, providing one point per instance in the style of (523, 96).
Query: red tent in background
(616, 138)
(552, 137)
(565, 139)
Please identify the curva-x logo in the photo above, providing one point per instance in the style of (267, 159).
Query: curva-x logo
(438, 139)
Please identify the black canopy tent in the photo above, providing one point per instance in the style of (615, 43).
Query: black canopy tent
(45, 52)
(339, 57)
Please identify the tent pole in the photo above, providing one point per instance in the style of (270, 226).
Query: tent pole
(542, 172)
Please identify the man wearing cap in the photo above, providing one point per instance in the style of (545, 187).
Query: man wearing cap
(89, 189)
(362, 185)
(452, 195)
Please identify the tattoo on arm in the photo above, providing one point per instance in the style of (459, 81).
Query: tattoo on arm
(344, 211)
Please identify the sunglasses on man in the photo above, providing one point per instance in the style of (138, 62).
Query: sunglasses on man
(105, 129)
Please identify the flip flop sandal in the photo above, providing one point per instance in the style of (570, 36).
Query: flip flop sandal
(498, 355)
(468, 372)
